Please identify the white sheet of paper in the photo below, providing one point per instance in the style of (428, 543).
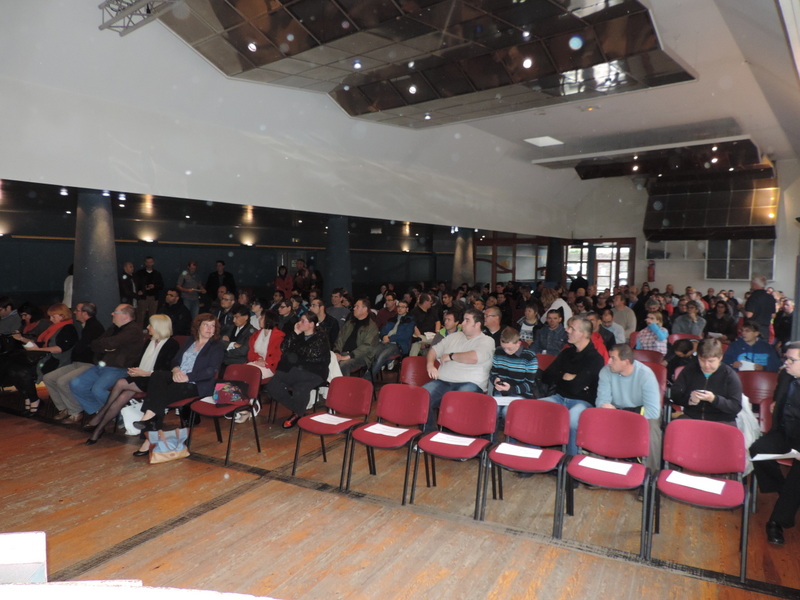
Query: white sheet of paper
(704, 484)
(453, 440)
(506, 400)
(609, 466)
(523, 451)
(382, 429)
(746, 365)
(791, 454)
(329, 419)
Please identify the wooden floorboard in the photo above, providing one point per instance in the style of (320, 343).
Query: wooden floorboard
(253, 528)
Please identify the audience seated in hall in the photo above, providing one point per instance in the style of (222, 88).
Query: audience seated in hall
(551, 338)
(691, 322)
(358, 340)
(654, 335)
(750, 353)
(395, 338)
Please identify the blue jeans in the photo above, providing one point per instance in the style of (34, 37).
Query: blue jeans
(437, 389)
(91, 388)
(575, 408)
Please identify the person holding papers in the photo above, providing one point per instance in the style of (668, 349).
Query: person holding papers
(708, 389)
(783, 437)
(751, 353)
(627, 384)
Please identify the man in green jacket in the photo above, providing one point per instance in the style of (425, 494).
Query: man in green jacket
(358, 340)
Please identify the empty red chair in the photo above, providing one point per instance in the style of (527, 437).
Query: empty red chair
(620, 437)
(405, 406)
(545, 360)
(414, 371)
(758, 385)
(536, 423)
(674, 337)
(348, 402)
(632, 339)
(647, 355)
(465, 415)
(707, 448)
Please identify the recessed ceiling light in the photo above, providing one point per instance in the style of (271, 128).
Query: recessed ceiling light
(357, 64)
(412, 89)
(411, 64)
(64, 192)
(69, 212)
(122, 197)
(714, 160)
(713, 148)
(252, 47)
(635, 167)
(544, 141)
(427, 116)
(106, 193)
(527, 63)
(730, 168)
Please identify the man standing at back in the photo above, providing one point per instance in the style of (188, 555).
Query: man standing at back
(149, 284)
(465, 359)
(760, 306)
(220, 278)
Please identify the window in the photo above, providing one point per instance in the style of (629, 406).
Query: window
(608, 263)
(740, 259)
(517, 258)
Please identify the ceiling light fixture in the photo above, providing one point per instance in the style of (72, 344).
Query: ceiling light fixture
(122, 197)
(64, 192)
(106, 193)
(527, 63)
(544, 141)
(356, 64)
(252, 47)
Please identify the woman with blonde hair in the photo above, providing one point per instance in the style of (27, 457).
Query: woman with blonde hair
(552, 301)
(157, 353)
(51, 350)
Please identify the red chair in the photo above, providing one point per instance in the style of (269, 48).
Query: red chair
(251, 376)
(660, 372)
(707, 448)
(632, 339)
(466, 415)
(758, 386)
(536, 423)
(403, 405)
(619, 435)
(414, 371)
(653, 356)
(350, 396)
(674, 337)
(545, 360)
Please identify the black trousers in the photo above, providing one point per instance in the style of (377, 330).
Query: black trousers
(162, 391)
(300, 382)
(770, 477)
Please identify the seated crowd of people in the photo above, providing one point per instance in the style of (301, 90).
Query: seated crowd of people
(475, 339)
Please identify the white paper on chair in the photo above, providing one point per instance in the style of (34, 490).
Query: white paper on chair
(746, 365)
(792, 454)
(329, 419)
(208, 399)
(704, 484)
(453, 440)
(382, 429)
(522, 451)
(609, 466)
(506, 400)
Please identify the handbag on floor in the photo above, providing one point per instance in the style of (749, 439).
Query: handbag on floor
(167, 445)
(130, 414)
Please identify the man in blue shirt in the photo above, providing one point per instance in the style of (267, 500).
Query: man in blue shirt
(750, 352)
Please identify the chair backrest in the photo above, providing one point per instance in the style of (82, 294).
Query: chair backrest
(414, 371)
(545, 360)
(632, 339)
(758, 385)
(537, 422)
(647, 355)
(403, 404)
(613, 433)
(351, 396)
(468, 413)
(765, 415)
(249, 374)
(660, 372)
(704, 446)
(674, 337)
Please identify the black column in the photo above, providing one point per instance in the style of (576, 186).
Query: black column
(555, 261)
(338, 255)
(464, 258)
(95, 278)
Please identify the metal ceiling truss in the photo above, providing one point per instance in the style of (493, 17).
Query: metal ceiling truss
(124, 16)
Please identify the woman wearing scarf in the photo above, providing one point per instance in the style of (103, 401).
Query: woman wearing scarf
(53, 349)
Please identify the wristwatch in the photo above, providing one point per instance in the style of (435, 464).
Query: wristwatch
(451, 356)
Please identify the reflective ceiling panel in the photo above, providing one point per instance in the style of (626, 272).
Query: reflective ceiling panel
(428, 62)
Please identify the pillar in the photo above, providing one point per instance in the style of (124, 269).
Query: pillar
(338, 255)
(95, 259)
(464, 258)
(555, 261)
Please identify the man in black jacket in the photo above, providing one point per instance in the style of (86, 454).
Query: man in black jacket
(174, 308)
(781, 438)
(575, 373)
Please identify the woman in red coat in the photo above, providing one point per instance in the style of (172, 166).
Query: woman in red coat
(265, 346)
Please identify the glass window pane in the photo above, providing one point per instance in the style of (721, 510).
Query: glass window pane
(603, 253)
(603, 269)
(739, 268)
(740, 249)
(483, 270)
(483, 251)
(763, 249)
(716, 269)
(505, 259)
(625, 252)
(526, 268)
(696, 250)
(763, 267)
(717, 249)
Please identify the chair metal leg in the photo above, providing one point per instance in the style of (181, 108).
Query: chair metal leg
(558, 505)
(218, 430)
(347, 442)
(408, 465)
(743, 541)
(230, 440)
(414, 478)
(371, 460)
(297, 451)
(479, 486)
(570, 494)
(500, 482)
(433, 469)
(487, 467)
(255, 431)
(349, 458)
(645, 526)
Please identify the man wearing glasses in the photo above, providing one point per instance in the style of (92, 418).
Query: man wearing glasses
(493, 325)
(781, 438)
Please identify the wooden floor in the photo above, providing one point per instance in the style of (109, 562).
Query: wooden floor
(252, 528)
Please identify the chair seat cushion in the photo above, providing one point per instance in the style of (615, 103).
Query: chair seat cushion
(315, 427)
(632, 479)
(183, 402)
(218, 410)
(452, 451)
(732, 494)
(547, 461)
(379, 440)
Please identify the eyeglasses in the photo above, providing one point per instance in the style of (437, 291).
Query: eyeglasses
(791, 360)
